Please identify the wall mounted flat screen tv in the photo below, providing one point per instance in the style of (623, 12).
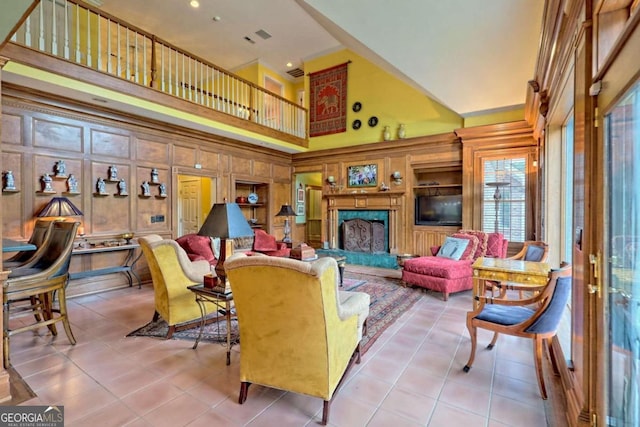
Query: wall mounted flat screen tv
(439, 210)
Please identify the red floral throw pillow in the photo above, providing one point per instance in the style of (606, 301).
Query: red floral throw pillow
(483, 238)
(264, 242)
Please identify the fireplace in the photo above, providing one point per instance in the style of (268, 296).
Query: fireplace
(361, 235)
(374, 238)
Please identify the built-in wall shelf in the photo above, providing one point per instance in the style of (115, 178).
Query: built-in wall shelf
(418, 187)
(258, 211)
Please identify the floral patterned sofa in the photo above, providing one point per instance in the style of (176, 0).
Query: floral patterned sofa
(442, 273)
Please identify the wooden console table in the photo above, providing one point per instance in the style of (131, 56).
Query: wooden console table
(126, 268)
(531, 273)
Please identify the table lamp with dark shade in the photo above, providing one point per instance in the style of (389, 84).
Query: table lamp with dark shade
(59, 207)
(226, 221)
(286, 211)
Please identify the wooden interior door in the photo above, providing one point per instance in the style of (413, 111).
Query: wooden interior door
(189, 205)
(314, 216)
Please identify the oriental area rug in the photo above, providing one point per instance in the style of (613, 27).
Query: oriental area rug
(389, 300)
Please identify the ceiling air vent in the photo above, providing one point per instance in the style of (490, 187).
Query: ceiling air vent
(263, 34)
(296, 72)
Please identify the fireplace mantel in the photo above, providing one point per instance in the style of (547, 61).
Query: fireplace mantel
(391, 201)
(386, 200)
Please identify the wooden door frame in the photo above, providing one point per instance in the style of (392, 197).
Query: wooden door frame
(617, 77)
(175, 197)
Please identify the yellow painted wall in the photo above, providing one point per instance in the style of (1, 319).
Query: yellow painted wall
(514, 115)
(250, 72)
(382, 95)
(256, 73)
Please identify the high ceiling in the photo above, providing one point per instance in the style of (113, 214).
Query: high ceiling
(472, 56)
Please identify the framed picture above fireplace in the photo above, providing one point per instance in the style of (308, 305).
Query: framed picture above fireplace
(362, 175)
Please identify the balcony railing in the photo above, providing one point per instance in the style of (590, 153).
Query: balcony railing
(84, 35)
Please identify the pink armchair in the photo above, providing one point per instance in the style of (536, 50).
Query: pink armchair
(448, 275)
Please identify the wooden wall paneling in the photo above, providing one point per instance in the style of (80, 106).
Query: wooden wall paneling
(426, 237)
(261, 169)
(281, 194)
(208, 159)
(109, 215)
(13, 206)
(241, 165)
(148, 208)
(281, 173)
(110, 144)
(184, 156)
(333, 169)
(57, 135)
(153, 152)
(397, 164)
(12, 126)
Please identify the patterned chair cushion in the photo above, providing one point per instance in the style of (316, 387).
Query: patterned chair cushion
(496, 245)
(483, 239)
(470, 251)
(439, 267)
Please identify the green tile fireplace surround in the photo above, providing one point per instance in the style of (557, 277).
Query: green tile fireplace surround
(381, 259)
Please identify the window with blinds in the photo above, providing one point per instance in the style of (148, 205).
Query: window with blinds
(504, 197)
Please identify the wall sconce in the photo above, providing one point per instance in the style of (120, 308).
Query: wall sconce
(331, 180)
(396, 178)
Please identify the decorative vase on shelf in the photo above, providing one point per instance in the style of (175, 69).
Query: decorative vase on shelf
(401, 131)
(386, 134)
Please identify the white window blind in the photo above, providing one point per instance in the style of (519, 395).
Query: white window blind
(504, 197)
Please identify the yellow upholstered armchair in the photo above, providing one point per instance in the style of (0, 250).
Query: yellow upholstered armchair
(171, 273)
(298, 331)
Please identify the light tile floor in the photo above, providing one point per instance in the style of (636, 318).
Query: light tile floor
(411, 376)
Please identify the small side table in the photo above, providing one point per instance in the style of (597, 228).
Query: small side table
(223, 301)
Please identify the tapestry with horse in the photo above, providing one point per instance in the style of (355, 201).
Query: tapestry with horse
(328, 100)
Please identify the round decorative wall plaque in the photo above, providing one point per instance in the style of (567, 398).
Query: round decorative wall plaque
(357, 106)
(356, 124)
(373, 121)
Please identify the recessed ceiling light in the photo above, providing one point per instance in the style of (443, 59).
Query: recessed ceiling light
(194, 3)
(216, 18)
(289, 64)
